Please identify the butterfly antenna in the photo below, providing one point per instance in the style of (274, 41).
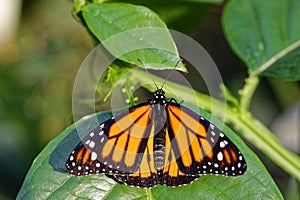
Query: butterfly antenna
(147, 72)
(170, 73)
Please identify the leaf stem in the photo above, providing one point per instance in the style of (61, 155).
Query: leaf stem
(150, 197)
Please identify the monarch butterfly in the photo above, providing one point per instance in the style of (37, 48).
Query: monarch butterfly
(156, 142)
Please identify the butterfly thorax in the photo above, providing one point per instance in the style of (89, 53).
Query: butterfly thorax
(159, 119)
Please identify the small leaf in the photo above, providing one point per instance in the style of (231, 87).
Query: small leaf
(132, 32)
(48, 179)
(265, 35)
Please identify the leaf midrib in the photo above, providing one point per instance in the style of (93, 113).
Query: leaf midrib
(276, 57)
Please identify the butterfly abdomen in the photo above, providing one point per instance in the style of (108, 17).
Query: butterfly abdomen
(159, 150)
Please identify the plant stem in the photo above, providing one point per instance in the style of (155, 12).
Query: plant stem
(269, 144)
(247, 92)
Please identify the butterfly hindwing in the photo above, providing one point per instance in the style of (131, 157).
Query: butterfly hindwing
(172, 174)
(146, 175)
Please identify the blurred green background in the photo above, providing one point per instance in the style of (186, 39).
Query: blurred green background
(41, 49)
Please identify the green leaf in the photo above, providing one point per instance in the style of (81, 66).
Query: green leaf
(179, 15)
(48, 179)
(265, 35)
(132, 32)
(203, 1)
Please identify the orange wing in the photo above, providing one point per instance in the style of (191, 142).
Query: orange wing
(197, 147)
(146, 175)
(121, 145)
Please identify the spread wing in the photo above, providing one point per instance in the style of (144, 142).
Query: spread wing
(121, 146)
(196, 147)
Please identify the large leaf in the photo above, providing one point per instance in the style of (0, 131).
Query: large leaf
(48, 178)
(265, 35)
(131, 32)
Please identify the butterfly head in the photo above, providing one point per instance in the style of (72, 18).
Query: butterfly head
(159, 97)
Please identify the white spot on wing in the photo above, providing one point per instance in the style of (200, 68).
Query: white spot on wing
(87, 142)
(240, 157)
(222, 144)
(92, 144)
(92, 134)
(93, 156)
(220, 156)
(102, 139)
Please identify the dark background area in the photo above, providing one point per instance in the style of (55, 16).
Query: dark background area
(38, 64)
